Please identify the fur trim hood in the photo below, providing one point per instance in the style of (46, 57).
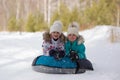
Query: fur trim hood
(80, 39)
(46, 37)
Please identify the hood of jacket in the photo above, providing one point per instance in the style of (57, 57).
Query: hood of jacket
(47, 38)
(80, 39)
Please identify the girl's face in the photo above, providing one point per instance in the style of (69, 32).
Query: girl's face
(72, 37)
(55, 35)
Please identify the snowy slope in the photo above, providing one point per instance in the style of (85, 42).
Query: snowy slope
(18, 51)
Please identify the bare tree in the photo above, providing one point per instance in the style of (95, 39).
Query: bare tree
(26, 6)
(58, 5)
(38, 5)
(49, 11)
(17, 9)
(118, 13)
(45, 10)
(6, 14)
(118, 17)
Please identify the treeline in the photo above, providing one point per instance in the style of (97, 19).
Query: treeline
(34, 22)
(102, 12)
(98, 12)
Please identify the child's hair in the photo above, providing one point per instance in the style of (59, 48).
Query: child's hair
(46, 36)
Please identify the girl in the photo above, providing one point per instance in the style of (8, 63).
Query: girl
(53, 44)
(75, 48)
(75, 41)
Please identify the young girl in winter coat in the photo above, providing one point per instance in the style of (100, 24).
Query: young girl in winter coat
(75, 42)
(53, 44)
(75, 48)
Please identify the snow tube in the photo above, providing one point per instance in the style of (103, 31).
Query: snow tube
(47, 64)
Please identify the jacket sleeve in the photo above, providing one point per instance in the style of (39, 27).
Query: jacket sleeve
(46, 48)
(81, 51)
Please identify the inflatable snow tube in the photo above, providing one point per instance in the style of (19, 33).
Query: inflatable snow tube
(47, 64)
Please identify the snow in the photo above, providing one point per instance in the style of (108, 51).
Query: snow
(18, 51)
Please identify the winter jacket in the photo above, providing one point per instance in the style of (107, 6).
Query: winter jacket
(77, 46)
(49, 43)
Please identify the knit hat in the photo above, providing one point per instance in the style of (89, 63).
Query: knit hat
(73, 29)
(56, 27)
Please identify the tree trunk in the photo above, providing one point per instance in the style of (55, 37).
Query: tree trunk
(49, 11)
(45, 10)
(17, 9)
(118, 17)
(26, 5)
(38, 5)
(6, 14)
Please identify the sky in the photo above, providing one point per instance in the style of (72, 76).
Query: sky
(18, 51)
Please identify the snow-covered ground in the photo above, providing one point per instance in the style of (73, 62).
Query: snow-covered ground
(18, 51)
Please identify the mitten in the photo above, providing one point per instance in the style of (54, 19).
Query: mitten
(61, 54)
(52, 52)
(73, 56)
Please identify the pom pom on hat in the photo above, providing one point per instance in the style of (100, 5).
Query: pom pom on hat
(73, 29)
(56, 27)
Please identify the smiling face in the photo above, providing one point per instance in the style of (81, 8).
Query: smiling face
(72, 37)
(55, 35)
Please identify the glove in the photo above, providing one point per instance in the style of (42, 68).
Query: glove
(57, 54)
(73, 56)
(52, 52)
(61, 54)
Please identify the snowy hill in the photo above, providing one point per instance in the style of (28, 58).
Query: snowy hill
(18, 51)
